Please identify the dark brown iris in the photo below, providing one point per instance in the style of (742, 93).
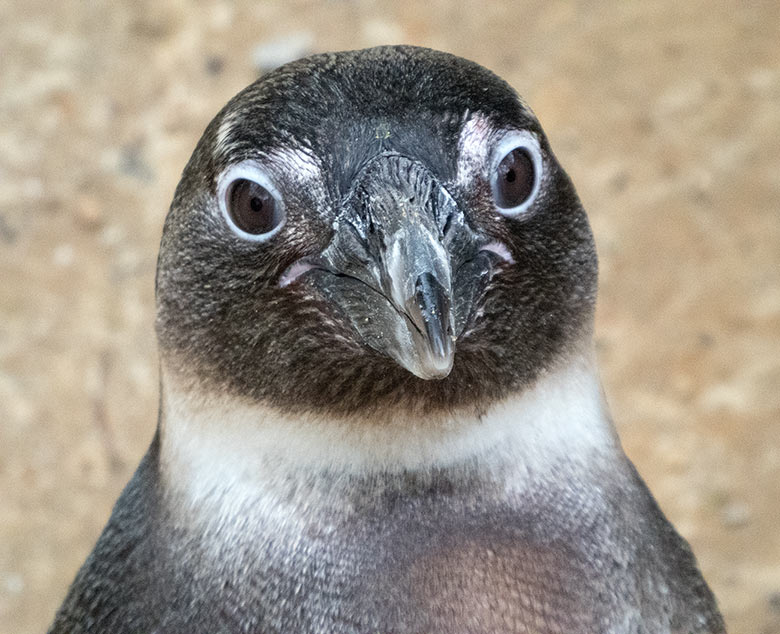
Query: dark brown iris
(514, 179)
(252, 207)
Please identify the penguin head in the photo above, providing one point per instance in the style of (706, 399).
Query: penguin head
(374, 229)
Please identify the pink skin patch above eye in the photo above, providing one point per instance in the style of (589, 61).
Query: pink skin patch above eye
(500, 249)
(294, 271)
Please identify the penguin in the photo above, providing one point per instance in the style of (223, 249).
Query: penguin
(380, 409)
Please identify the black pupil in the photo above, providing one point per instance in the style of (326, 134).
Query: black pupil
(515, 179)
(252, 207)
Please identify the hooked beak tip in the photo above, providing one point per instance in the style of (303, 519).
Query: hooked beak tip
(434, 366)
(429, 311)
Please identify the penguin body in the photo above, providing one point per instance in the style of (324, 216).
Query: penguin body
(380, 410)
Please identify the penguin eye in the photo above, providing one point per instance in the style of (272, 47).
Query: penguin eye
(515, 178)
(250, 203)
(251, 207)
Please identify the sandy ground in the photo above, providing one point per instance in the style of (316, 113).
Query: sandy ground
(666, 114)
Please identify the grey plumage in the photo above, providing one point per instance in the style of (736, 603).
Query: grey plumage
(304, 477)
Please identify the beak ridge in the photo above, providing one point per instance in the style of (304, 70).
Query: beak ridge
(429, 311)
(418, 281)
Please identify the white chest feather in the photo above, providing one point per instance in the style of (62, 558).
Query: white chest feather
(221, 455)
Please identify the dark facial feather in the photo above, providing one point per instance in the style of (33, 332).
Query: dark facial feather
(224, 322)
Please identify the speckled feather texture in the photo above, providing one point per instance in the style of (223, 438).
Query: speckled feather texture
(303, 482)
(414, 553)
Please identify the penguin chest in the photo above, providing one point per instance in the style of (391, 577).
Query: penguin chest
(436, 573)
(506, 583)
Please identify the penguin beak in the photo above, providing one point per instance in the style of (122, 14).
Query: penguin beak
(417, 281)
(389, 264)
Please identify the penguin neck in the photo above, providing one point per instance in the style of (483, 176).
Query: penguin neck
(216, 449)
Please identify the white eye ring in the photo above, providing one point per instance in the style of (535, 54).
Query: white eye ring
(249, 170)
(518, 139)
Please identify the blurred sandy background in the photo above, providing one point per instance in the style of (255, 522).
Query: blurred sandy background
(666, 115)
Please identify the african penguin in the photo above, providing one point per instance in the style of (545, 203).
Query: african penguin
(380, 410)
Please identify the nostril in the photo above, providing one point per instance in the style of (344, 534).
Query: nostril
(446, 211)
(447, 224)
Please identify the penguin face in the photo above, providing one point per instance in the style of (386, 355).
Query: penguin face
(375, 229)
